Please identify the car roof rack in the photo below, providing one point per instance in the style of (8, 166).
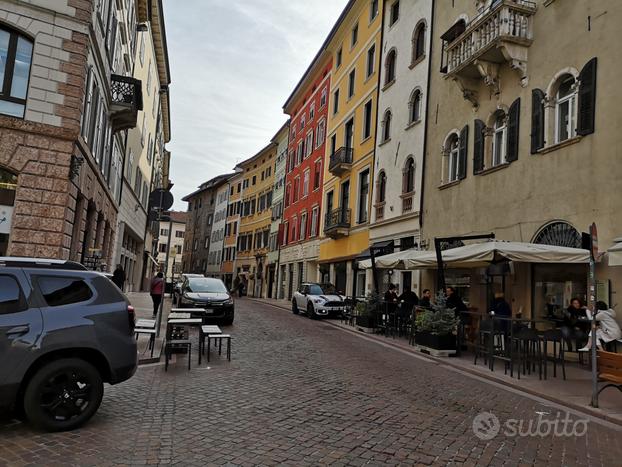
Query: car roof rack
(42, 263)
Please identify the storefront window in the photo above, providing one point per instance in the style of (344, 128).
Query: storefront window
(460, 280)
(555, 285)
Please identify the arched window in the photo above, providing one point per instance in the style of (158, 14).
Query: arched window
(390, 67)
(386, 126)
(566, 109)
(418, 42)
(499, 141)
(16, 55)
(409, 176)
(452, 150)
(558, 233)
(382, 187)
(415, 106)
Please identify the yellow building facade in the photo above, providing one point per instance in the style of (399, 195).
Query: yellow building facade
(351, 137)
(253, 240)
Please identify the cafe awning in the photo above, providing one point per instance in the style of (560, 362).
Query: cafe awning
(615, 253)
(482, 254)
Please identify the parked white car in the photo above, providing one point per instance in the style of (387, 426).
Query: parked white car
(317, 300)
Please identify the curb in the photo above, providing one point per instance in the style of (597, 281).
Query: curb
(446, 362)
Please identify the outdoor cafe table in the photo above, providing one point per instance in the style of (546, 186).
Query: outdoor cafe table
(185, 322)
(178, 315)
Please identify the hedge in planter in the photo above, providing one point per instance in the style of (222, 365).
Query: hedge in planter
(437, 328)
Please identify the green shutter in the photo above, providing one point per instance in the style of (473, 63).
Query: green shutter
(513, 127)
(462, 152)
(478, 146)
(537, 120)
(587, 98)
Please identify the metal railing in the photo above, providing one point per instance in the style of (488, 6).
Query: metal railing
(126, 90)
(341, 156)
(407, 204)
(337, 218)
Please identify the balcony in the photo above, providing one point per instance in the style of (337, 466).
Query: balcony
(379, 211)
(127, 100)
(337, 223)
(407, 204)
(500, 34)
(340, 161)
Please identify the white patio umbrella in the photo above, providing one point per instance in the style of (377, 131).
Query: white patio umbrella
(615, 253)
(395, 260)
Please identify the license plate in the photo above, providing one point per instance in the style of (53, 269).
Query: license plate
(209, 311)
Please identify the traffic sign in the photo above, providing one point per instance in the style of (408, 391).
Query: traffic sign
(161, 199)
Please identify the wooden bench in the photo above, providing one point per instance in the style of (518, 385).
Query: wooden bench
(610, 369)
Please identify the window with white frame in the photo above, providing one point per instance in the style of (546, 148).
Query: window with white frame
(390, 64)
(303, 226)
(323, 97)
(336, 101)
(318, 174)
(315, 213)
(566, 109)
(363, 196)
(408, 184)
(299, 152)
(15, 60)
(309, 143)
(320, 134)
(367, 117)
(351, 83)
(500, 138)
(305, 183)
(453, 153)
(302, 122)
(312, 111)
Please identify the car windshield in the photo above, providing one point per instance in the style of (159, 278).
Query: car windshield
(322, 289)
(205, 285)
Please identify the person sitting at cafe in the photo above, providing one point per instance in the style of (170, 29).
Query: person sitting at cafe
(391, 299)
(454, 301)
(572, 328)
(426, 296)
(408, 300)
(501, 309)
(608, 329)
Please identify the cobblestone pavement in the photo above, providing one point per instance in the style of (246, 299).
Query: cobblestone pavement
(301, 392)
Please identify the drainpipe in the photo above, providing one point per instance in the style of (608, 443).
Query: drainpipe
(373, 165)
(427, 119)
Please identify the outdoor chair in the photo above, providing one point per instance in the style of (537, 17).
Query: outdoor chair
(146, 327)
(554, 336)
(527, 350)
(204, 331)
(483, 345)
(176, 339)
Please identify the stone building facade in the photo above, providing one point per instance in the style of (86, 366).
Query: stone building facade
(55, 149)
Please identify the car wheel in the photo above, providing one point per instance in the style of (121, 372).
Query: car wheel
(311, 311)
(294, 307)
(63, 395)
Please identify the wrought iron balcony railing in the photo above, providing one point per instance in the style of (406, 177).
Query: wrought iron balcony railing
(127, 100)
(337, 222)
(340, 161)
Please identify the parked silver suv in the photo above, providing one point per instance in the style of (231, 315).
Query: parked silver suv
(64, 331)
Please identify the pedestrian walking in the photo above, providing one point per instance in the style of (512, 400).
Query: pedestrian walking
(118, 277)
(156, 290)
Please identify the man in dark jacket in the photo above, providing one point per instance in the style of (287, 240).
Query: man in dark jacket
(454, 301)
(118, 277)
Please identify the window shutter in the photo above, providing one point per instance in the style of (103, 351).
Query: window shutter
(537, 120)
(462, 152)
(513, 127)
(478, 147)
(587, 98)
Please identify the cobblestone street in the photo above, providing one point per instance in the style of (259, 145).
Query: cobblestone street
(301, 392)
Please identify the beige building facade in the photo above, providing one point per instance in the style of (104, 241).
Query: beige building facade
(522, 140)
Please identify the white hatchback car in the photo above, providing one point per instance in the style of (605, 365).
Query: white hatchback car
(317, 300)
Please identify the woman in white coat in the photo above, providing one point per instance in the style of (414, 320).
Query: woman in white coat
(607, 330)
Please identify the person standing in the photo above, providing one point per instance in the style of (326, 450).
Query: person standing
(118, 277)
(156, 290)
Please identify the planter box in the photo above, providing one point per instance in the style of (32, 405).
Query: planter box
(366, 321)
(436, 342)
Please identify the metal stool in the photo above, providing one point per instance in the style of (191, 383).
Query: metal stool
(219, 338)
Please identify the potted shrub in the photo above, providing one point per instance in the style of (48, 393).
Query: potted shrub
(436, 329)
(367, 311)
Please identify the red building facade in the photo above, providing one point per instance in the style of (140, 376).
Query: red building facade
(308, 109)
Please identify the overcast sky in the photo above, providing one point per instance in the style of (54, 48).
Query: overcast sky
(233, 64)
